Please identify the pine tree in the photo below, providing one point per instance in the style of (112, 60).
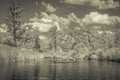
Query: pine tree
(13, 20)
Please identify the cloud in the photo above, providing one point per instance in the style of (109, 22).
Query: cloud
(44, 4)
(72, 17)
(45, 22)
(109, 4)
(101, 4)
(102, 19)
(96, 18)
(61, 21)
(49, 7)
(41, 26)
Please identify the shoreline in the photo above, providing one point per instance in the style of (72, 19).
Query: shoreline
(13, 54)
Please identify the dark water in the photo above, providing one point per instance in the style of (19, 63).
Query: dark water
(85, 70)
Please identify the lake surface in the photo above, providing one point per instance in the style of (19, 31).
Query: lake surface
(85, 70)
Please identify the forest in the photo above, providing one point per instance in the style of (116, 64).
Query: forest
(48, 36)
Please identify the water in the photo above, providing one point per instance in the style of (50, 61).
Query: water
(85, 70)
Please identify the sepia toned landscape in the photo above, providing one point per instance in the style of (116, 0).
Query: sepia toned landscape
(60, 39)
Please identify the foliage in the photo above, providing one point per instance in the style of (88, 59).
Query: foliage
(13, 20)
(71, 41)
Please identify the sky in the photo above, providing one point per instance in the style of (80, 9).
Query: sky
(90, 11)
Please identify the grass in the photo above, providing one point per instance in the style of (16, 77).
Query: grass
(8, 53)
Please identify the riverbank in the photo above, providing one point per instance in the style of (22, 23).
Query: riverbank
(8, 53)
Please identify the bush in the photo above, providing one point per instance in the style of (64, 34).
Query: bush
(9, 41)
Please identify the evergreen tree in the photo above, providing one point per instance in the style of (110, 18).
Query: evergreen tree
(13, 20)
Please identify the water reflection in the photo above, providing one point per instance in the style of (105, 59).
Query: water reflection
(85, 70)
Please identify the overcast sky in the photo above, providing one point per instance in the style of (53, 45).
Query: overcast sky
(80, 8)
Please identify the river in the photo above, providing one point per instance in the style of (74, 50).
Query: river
(85, 70)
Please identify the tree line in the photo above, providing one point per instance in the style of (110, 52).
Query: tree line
(83, 41)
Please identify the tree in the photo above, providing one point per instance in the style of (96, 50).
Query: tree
(53, 36)
(37, 40)
(13, 20)
(117, 38)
